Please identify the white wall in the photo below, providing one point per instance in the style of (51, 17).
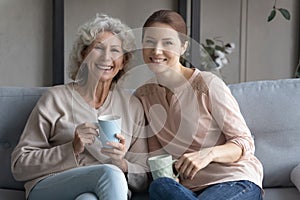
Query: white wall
(263, 50)
(272, 48)
(26, 33)
(25, 43)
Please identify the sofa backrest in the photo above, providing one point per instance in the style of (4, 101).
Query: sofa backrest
(272, 112)
(270, 108)
(16, 104)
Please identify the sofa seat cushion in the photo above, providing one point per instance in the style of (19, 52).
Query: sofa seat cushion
(140, 196)
(281, 193)
(12, 194)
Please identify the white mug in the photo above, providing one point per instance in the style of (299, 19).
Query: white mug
(162, 166)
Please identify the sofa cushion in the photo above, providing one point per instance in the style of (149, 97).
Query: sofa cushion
(271, 110)
(15, 105)
(12, 194)
(287, 193)
(20, 195)
(295, 176)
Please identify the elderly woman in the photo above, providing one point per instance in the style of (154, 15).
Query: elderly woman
(59, 155)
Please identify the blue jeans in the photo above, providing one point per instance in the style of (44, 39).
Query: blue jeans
(167, 188)
(84, 183)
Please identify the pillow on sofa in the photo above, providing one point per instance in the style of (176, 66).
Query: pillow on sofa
(295, 176)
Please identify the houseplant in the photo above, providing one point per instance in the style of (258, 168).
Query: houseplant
(286, 14)
(283, 11)
(218, 51)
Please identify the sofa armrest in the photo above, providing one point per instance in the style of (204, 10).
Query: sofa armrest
(295, 176)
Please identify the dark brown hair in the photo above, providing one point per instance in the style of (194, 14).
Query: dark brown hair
(170, 18)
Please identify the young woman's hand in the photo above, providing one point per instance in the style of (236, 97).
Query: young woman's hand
(190, 163)
(117, 152)
(85, 134)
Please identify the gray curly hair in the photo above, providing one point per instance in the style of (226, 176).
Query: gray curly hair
(87, 33)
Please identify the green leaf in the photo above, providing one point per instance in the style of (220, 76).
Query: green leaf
(272, 15)
(209, 42)
(220, 48)
(209, 50)
(285, 13)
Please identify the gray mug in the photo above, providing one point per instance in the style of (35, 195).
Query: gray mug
(109, 126)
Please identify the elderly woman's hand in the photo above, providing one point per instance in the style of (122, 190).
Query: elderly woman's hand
(84, 135)
(117, 152)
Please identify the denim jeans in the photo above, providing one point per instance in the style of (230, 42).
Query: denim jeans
(84, 183)
(167, 188)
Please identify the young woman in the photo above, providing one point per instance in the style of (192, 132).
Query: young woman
(59, 155)
(194, 117)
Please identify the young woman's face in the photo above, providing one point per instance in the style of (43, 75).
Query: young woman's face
(161, 47)
(105, 56)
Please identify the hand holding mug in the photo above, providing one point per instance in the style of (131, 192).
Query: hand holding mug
(190, 163)
(116, 151)
(113, 142)
(84, 135)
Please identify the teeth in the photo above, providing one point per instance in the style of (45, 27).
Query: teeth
(105, 67)
(157, 60)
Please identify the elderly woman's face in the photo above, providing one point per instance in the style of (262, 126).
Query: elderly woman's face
(105, 56)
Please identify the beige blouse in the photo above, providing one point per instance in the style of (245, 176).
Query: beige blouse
(200, 113)
(45, 147)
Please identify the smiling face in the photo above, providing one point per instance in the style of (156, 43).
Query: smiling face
(105, 56)
(162, 48)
